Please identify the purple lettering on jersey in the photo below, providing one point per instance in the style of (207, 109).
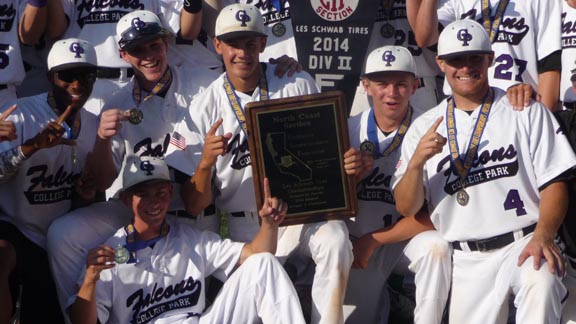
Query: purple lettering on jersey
(241, 155)
(512, 29)
(89, 10)
(7, 17)
(148, 307)
(48, 181)
(365, 189)
(144, 147)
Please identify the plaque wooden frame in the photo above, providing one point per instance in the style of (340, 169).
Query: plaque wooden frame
(299, 144)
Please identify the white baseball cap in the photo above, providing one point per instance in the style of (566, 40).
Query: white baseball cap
(238, 20)
(463, 37)
(71, 53)
(144, 169)
(138, 27)
(390, 59)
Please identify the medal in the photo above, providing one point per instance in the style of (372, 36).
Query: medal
(122, 255)
(136, 116)
(278, 30)
(368, 146)
(387, 30)
(462, 197)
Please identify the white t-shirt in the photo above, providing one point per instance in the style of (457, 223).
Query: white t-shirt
(519, 152)
(167, 284)
(41, 190)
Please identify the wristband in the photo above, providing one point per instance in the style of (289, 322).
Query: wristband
(38, 3)
(191, 6)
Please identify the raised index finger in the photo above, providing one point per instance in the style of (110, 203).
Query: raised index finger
(8, 112)
(435, 125)
(64, 115)
(214, 127)
(267, 193)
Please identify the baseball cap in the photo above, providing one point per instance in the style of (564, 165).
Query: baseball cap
(144, 169)
(71, 53)
(238, 20)
(138, 27)
(390, 59)
(463, 37)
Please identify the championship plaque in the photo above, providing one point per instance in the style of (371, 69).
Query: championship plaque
(298, 143)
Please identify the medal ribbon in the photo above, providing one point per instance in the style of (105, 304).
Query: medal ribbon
(235, 101)
(464, 169)
(160, 86)
(134, 246)
(491, 24)
(372, 134)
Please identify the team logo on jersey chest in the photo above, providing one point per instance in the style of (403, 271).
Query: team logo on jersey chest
(48, 188)
(568, 32)
(273, 11)
(240, 154)
(375, 187)
(160, 300)
(104, 11)
(512, 30)
(146, 148)
(7, 17)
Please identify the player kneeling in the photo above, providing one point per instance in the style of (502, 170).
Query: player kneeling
(155, 269)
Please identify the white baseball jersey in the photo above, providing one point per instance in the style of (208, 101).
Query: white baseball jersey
(518, 153)
(156, 131)
(376, 205)
(278, 24)
(11, 66)
(527, 33)
(233, 170)
(167, 284)
(568, 52)
(42, 188)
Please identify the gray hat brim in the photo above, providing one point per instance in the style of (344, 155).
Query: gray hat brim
(456, 54)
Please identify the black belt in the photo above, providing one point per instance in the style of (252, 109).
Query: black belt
(570, 105)
(238, 214)
(210, 210)
(3, 86)
(112, 73)
(492, 243)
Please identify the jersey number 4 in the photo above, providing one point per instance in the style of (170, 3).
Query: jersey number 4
(513, 201)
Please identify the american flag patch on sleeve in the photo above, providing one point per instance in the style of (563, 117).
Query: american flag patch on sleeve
(178, 140)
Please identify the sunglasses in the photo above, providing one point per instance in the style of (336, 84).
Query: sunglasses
(134, 33)
(70, 76)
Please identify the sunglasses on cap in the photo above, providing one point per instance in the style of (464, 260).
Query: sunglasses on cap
(70, 76)
(134, 33)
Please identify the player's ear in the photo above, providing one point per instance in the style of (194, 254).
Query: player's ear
(440, 64)
(126, 198)
(123, 55)
(415, 84)
(263, 42)
(217, 44)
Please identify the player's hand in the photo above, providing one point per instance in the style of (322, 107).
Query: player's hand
(214, 145)
(363, 248)
(273, 210)
(98, 259)
(111, 122)
(540, 246)
(285, 65)
(7, 128)
(357, 163)
(430, 144)
(50, 136)
(519, 96)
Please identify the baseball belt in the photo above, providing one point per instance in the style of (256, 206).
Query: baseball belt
(113, 73)
(210, 210)
(570, 105)
(492, 243)
(3, 86)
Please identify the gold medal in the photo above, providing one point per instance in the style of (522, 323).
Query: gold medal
(136, 116)
(462, 197)
(122, 255)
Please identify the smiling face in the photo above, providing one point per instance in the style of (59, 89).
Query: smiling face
(241, 57)
(468, 78)
(390, 92)
(149, 202)
(73, 86)
(148, 60)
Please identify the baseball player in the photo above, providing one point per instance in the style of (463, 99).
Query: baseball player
(391, 27)
(161, 265)
(526, 44)
(493, 181)
(567, 95)
(39, 168)
(240, 38)
(385, 241)
(139, 120)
